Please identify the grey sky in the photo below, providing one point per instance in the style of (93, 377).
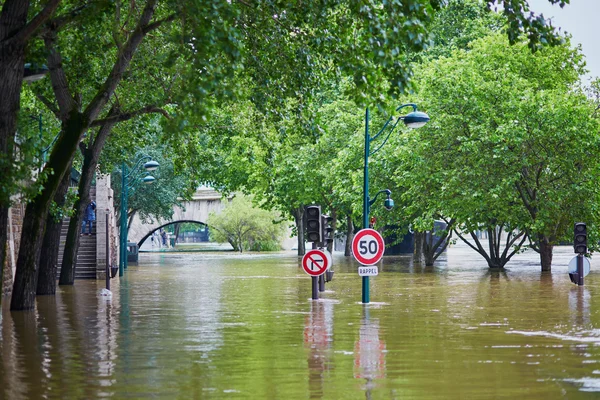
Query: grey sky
(581, 20)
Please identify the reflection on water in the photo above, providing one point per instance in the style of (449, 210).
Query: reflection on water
(369, 353)
(318, 337)
(243, 326)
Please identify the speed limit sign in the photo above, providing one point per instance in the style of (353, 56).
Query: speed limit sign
(367, 246)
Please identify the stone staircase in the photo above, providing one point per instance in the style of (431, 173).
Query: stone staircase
(86, 255)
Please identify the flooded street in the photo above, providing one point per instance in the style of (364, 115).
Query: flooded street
(226, 326)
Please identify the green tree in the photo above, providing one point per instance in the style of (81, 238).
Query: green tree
(154, 201)
(246, 227)
(508, 147)
(285, 48)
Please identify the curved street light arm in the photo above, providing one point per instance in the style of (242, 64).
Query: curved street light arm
(413, 105)
(137, 164)
(386, 138)
(388, 192)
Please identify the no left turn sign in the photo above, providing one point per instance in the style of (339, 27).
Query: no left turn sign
(368, 246)
(315, 262)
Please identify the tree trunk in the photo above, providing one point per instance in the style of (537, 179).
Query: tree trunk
(349, 235)
(69, 262)
(546, 250)
(299, 220)
(49, 257)
(25, 285)
(74, 124)
(3, 245)
(90, 162)
(36, 212)
(176, 233)
(13, 17)
(429, 249)
(418, 250)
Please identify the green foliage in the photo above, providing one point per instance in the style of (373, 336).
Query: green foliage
(246, 227)
(511, 143)
(459, 23)
(58, 213)
(156, 200)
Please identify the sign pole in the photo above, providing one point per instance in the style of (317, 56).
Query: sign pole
(315, 287)
(314, 281)
(580, 269)
(107, 254)
(365, 279)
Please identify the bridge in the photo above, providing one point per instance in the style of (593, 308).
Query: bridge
(205, 201)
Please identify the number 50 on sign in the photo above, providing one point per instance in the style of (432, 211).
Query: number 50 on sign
(368, 246)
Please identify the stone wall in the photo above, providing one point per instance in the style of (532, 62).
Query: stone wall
(15, 225)
(105, 210)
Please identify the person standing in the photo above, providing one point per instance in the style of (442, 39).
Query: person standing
(163, 236)
(89, 216)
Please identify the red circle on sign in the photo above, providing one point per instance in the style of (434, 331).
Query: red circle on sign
(315, 262)
(368, 246)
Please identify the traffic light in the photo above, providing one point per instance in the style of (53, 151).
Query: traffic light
(326, 230)
(312, 215)
(580, 240)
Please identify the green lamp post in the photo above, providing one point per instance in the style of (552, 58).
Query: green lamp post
(415, 119)
(127, 182)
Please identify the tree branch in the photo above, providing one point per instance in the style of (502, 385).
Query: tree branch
(478, 249)
(121, 64)
(28, 30)
(49, 105)
(58, 77)
(435, 257)
(57, 23)
(157, 24)
(127, 116)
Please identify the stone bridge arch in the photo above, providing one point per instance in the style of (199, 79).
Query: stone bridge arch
(204, 202)
(143, 239)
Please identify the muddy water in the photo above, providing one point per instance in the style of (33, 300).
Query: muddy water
(218, 326)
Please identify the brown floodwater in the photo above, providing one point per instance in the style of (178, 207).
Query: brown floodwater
(227, 326)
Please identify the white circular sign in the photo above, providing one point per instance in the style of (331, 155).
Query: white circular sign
(315, 262)
(573, 266)
(368, 246)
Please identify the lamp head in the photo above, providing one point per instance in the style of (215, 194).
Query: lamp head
(149, 179)
(388, 203)
(416, 119)
(151, 165)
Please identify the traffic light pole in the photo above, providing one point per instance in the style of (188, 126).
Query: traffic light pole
(315, 281)
(580, 269)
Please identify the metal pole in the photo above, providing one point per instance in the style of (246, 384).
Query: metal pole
(580, 269)
(365, 279)
(322, 283)
(315, 281)
(107, 256)
(123, 219)
(125, 226)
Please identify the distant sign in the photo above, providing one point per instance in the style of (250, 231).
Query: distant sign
(367, 246)
(315, 262)
(573, 266)
(329, 258)
(370, 270)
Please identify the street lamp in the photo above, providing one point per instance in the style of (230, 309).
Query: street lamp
(127, 182)
(415, 119)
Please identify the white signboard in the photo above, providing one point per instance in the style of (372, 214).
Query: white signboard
(370, 270)
(573, 266)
